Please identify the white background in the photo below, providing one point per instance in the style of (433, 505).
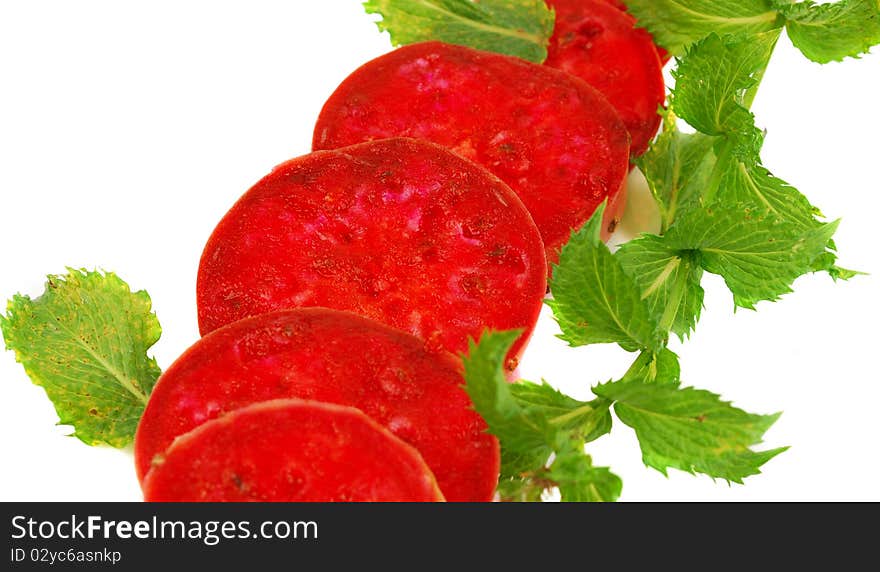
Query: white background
(127, 129)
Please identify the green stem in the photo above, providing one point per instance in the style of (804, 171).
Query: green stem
(641, 362)
(588, 408)
(674, 301)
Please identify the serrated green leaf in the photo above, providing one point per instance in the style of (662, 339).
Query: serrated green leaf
(832, 32)
(542, 396)
(757, 254)
(740, 178)
(514, 27)
(85, 341)
(690, 429)
(714, 83)
(838, 273)
(594, 300)
(586, 421)
(579, 481)
(743, 180)
(532, 421)
(518, 465)
(572, 473)
(677, 23)
(669, 280)
(711, 82)
(521, 489)
(526, 417)
(677, 168)
(522, 434)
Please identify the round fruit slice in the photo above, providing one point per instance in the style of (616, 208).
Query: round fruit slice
(336, 357)
(554, 139)
(401, 231)
(600, 44)
(291, 450)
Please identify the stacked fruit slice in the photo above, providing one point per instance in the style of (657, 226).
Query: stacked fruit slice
(413, 395)
(291, 450)
(336, 296)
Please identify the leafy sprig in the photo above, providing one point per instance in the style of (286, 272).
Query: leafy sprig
(722, 212)
(85, 341)
(534, 421)
(689, 429)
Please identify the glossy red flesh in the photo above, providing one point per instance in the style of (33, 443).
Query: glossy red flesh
(401, 231)
(336, 357)
(600, 44)
(664, 55)
(555, 140)
(291, 451)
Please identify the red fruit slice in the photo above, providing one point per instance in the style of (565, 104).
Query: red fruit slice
(600, 44)
(401, 231)
(664, 55)
(336, 357)
(291, 450)
(555, 140)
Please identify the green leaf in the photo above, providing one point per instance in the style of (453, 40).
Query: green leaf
(690, 429)
(518, 465)
(522, 489)
(714, 82)
(711, 82)
(677, 167)
(533, 421)
(572, 472)
(677, 23)
(714, 86)
(831, 32)
(543, 397)
(719, 203)
(838, 273)
(735, 180)
(514, 27)
(526, 417)
(652, 367)
(742, 179)
(669, 280)
(579, 481)
(595, 300)
(85, 341)
(523, 434)
(585, 420)
(757, 254)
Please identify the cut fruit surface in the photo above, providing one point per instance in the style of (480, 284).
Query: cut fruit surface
(554, 139)
(291, 451)
(401, 231)
(336, 357)
(600, 44)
